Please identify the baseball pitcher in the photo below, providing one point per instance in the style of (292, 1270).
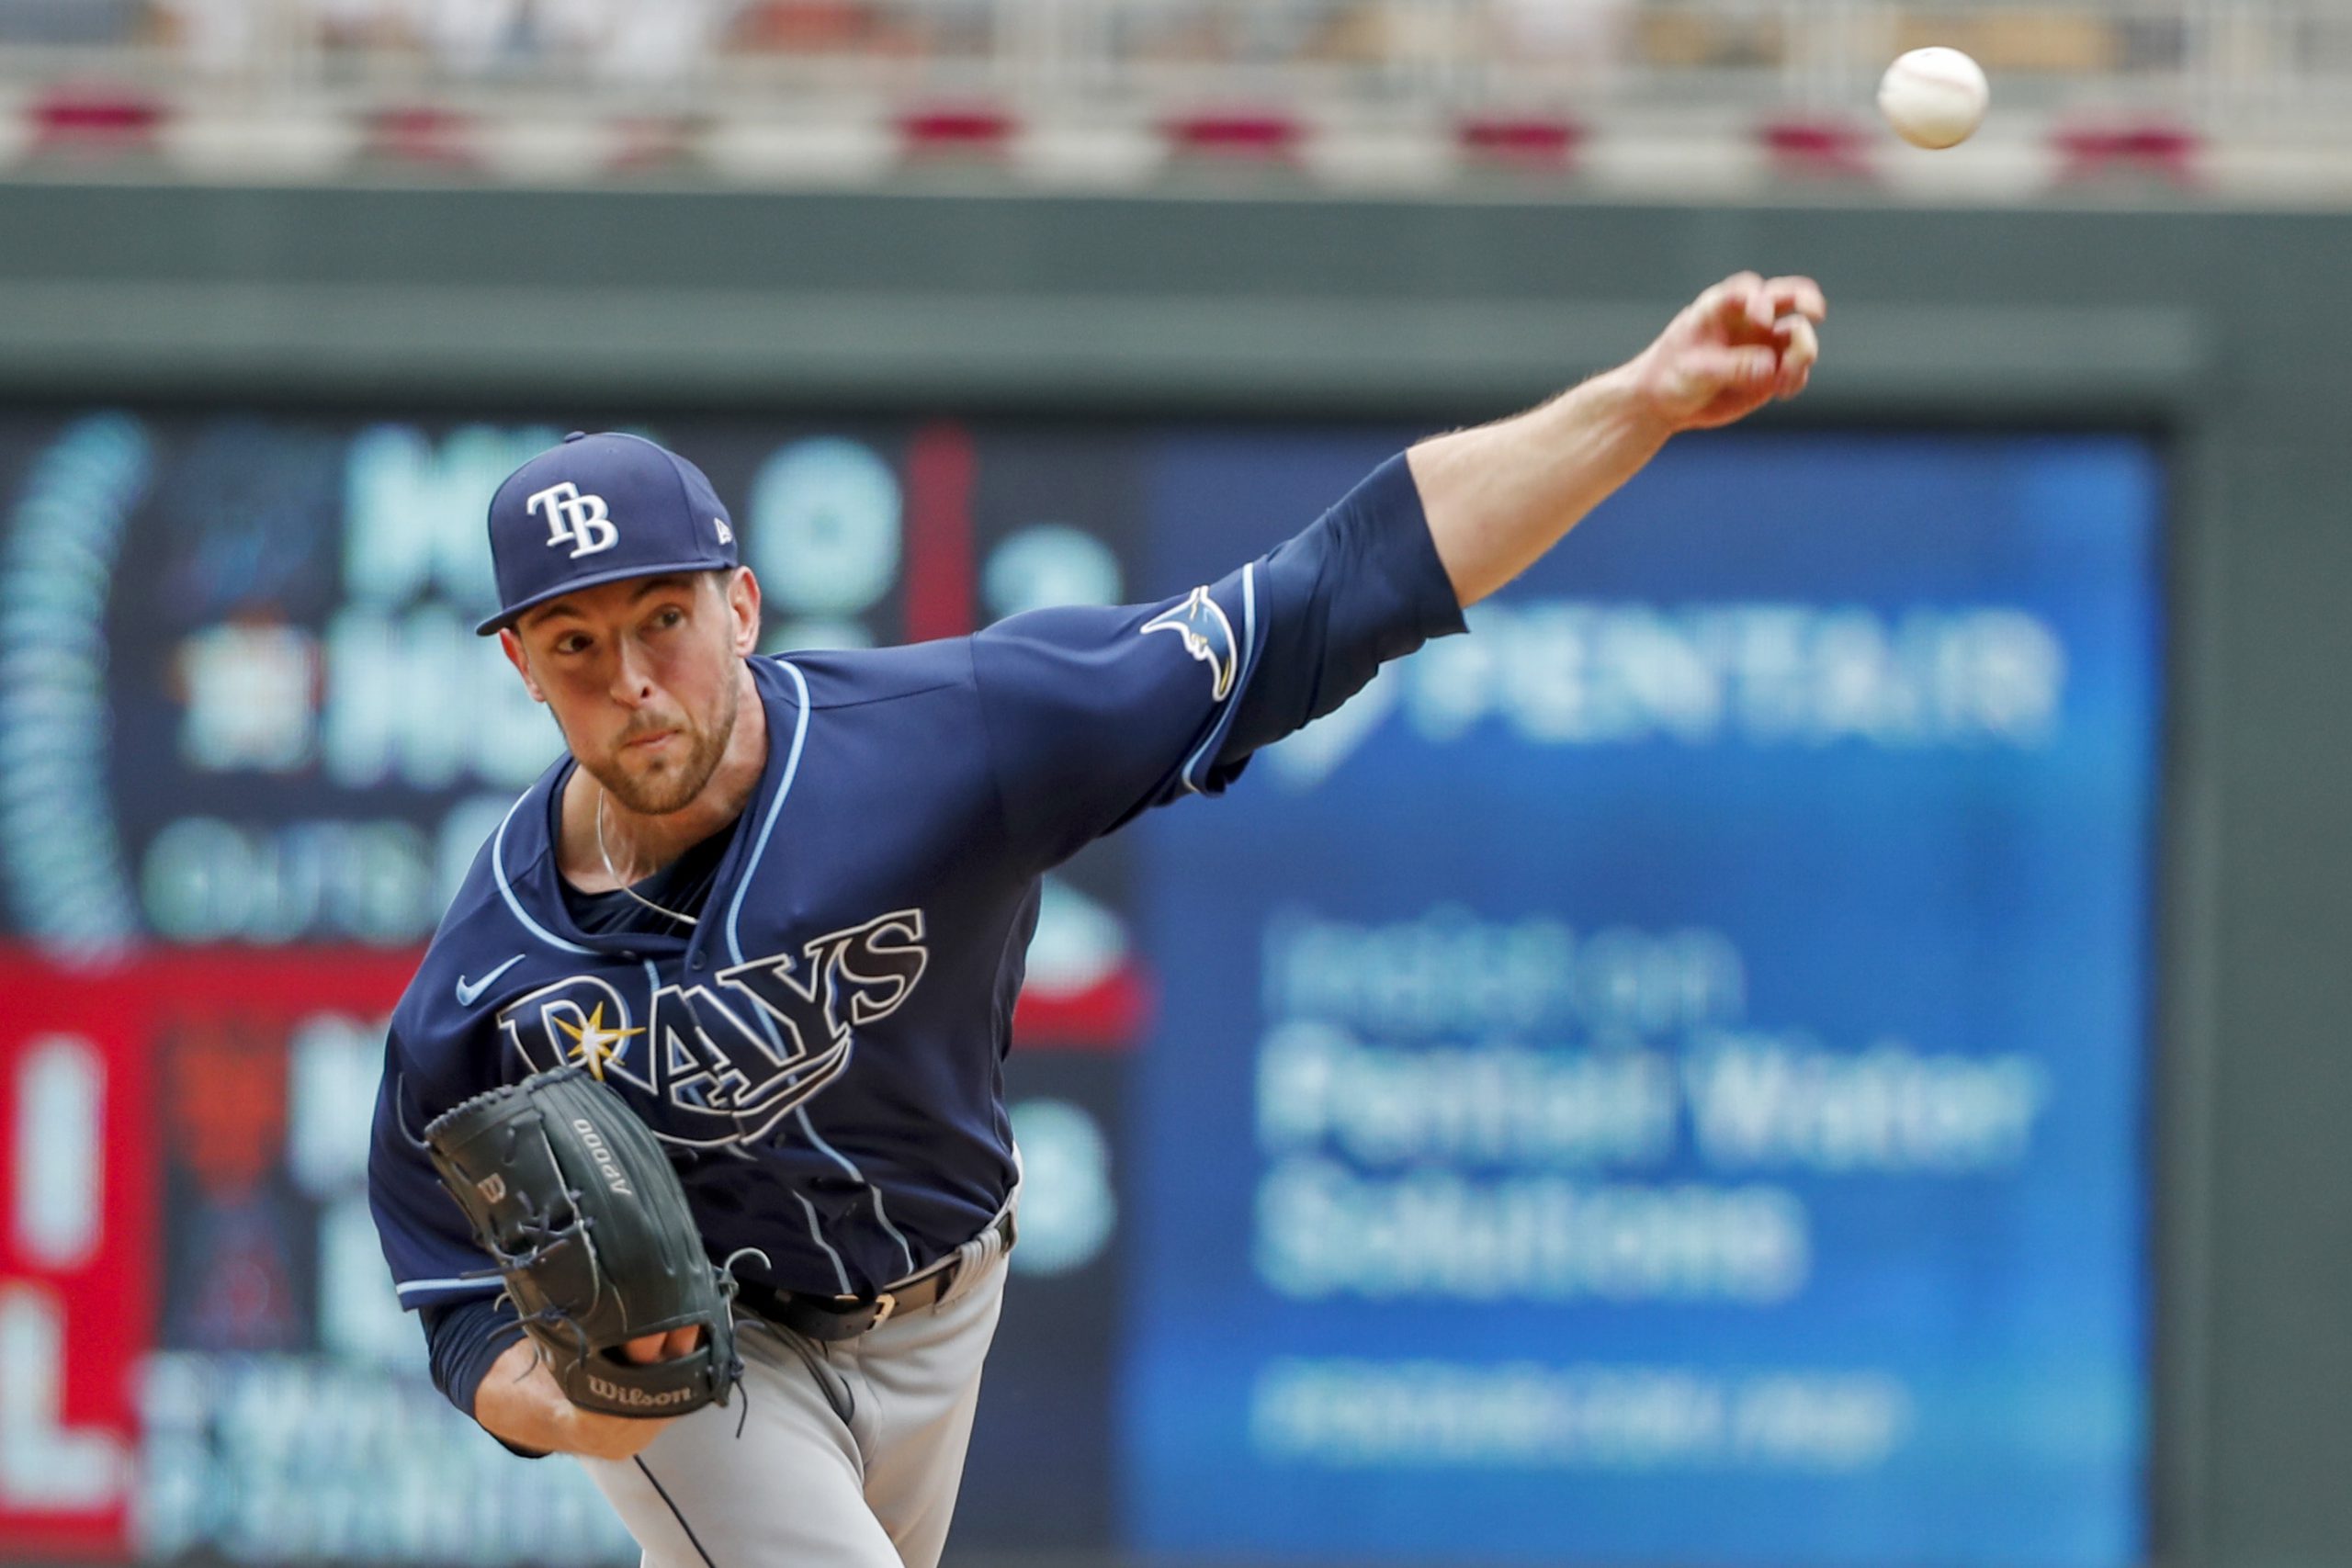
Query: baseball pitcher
(691, 1150)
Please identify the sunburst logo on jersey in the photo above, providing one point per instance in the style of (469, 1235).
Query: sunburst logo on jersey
(593, 1044)
(725, 1059)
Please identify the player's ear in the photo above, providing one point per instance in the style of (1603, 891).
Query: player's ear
(511, 646)
(743, 600)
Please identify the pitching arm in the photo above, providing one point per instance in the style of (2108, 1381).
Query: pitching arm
(1094, 715)
(1501, 495)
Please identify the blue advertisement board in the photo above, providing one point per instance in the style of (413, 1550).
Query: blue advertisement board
(1657, 1081)
(1661, 1080)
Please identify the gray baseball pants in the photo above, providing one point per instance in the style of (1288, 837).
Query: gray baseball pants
(799, 1487)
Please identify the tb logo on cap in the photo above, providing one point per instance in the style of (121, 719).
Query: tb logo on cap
(579, 521)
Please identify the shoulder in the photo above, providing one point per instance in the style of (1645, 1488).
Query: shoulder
(851, 677)
(488, 921)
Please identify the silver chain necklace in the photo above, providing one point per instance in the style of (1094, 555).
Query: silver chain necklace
(606, 855)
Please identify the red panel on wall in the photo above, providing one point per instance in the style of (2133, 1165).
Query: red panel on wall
(107, 1078)
(77, 1250)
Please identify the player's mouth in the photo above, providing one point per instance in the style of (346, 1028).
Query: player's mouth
(654, 741)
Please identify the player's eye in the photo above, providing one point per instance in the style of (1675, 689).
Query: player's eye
(669, 616)
(572, 642)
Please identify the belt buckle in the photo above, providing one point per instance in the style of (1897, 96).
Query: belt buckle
(884, 1305)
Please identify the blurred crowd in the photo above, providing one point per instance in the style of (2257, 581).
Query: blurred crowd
(674, 40)
(674, 36)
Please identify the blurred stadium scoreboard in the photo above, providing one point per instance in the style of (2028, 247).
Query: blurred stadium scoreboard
(1657, 1081)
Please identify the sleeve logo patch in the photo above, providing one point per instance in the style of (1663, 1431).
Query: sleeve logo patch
(1208, 637)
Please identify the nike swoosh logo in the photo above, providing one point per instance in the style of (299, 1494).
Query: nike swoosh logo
(469, 994)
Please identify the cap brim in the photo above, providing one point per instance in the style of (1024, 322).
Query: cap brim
(507, 617)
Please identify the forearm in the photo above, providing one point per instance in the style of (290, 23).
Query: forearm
(1501, 495)
(520, 1401)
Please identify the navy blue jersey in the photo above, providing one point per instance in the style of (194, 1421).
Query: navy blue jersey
(821, 1052)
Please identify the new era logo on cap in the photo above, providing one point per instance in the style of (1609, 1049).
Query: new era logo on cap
(599, 509)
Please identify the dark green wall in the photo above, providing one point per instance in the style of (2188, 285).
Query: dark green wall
(2232, 332)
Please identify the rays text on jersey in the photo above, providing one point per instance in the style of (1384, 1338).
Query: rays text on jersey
(723, 1061)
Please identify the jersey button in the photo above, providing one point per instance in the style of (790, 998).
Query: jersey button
(695, 962)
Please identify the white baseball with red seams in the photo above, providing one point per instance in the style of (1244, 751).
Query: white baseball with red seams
(1934, 97)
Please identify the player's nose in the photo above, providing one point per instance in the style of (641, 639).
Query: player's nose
(632, 679)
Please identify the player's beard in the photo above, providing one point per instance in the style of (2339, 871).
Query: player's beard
(671, 783)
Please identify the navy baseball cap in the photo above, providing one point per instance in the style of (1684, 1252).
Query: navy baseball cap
(598, 509)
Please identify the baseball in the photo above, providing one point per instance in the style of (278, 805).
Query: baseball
(1934, 97)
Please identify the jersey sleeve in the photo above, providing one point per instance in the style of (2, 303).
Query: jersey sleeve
(464, 1338)
(1096, 713)
(424, 1235)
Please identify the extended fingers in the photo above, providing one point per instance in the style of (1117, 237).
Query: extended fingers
(1800, 347)
(1733, 304)
(1743, 341)
(1746, 305)
(1796, 295)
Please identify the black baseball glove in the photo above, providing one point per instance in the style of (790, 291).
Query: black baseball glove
(569, 1192)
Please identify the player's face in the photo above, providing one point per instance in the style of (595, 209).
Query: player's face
(643, 677)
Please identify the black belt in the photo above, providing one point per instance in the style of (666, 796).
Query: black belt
(830, 1318)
